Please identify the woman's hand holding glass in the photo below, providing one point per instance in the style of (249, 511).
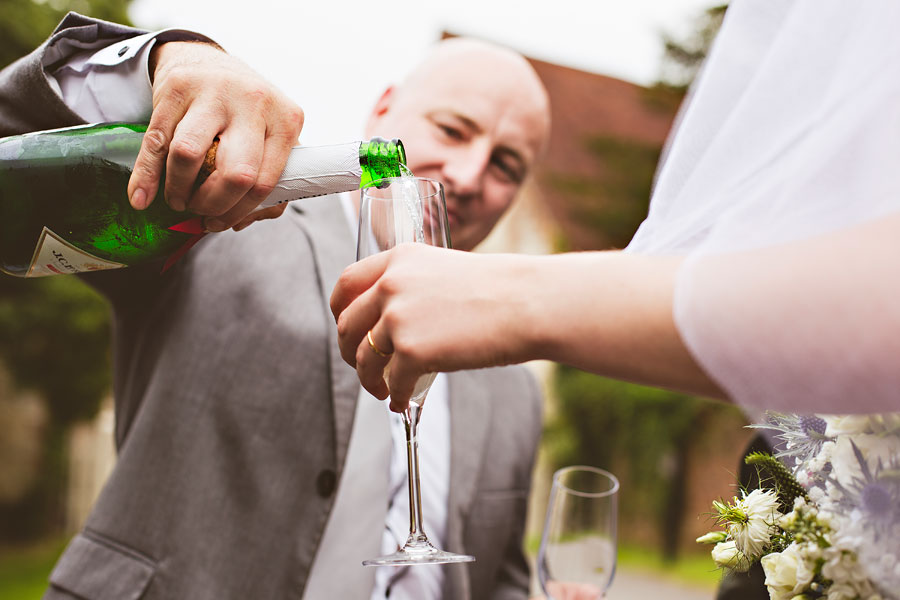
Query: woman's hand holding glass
(393, 293)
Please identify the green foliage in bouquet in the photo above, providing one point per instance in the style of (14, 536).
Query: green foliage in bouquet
(773, 474)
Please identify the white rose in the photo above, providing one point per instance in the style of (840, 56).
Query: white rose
(787, 573)
(855, 424)
(846, 424)
(887, 423)
(727, 556)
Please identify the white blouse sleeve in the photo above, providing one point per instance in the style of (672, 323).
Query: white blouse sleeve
(809, 327)
(786, 210)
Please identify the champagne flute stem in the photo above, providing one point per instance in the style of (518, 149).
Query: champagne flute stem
(411, 422)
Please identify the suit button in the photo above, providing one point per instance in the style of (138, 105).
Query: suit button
(326, 482)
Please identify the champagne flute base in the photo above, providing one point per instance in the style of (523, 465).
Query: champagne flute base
(419, 553)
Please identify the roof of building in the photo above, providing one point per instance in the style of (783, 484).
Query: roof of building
(606, 137)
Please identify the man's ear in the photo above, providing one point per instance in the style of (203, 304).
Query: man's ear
(381, 108)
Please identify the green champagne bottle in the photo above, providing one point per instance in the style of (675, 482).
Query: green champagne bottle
(64, 207)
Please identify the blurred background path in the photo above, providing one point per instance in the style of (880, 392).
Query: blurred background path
(637, 585)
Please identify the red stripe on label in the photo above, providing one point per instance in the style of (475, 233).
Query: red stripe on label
(193, 226)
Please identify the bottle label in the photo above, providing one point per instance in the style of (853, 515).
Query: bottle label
(55, 256)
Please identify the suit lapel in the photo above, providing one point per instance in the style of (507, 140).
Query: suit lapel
(334, 247)
(470, 417)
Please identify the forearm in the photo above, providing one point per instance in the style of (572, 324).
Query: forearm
(802, 326)
(605, 312)
(610, 313)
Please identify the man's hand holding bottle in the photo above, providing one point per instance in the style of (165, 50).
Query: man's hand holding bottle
(200, 93)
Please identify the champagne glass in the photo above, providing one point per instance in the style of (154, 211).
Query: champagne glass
(577, 557)
(394, 211)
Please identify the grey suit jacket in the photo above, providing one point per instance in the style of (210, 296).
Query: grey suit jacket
(234, 410)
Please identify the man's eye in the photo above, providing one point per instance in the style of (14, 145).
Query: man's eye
(451, 132)
(509, 172)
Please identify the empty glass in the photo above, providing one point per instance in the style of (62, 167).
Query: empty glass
(577, 557)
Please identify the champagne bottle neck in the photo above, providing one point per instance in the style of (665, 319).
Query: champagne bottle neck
(380, 158)
(320, 170)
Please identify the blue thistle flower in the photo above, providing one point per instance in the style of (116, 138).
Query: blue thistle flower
(876, 494)
(799, 436)
(812, 424)
(876, 499)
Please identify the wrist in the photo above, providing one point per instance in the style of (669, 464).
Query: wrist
(164, 50)
(530, 314)
(573, 306)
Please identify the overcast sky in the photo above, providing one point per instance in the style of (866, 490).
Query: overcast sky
(334, 58)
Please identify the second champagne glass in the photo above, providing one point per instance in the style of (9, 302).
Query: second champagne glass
(577, 557)
(395, 211)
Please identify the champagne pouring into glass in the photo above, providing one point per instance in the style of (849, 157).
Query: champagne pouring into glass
(394, 211)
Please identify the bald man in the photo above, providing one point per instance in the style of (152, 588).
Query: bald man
(474, 116)
(247, 465)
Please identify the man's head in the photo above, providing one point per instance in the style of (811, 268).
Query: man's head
(474, 116)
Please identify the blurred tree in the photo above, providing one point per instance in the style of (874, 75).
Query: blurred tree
(54, 332)
(54, 339)
(613, 202)
(26, 23)
(684, 57)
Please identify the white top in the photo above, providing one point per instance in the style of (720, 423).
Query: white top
(112, 84)
(792, 130)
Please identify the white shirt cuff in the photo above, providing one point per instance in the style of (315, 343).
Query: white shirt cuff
(113, 83)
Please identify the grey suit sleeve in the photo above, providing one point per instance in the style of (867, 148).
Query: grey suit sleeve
(27, 102)
(514, 576)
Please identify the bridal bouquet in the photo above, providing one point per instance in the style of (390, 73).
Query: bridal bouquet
(826, 521)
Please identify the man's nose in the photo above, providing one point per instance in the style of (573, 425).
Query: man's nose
(464, 172)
